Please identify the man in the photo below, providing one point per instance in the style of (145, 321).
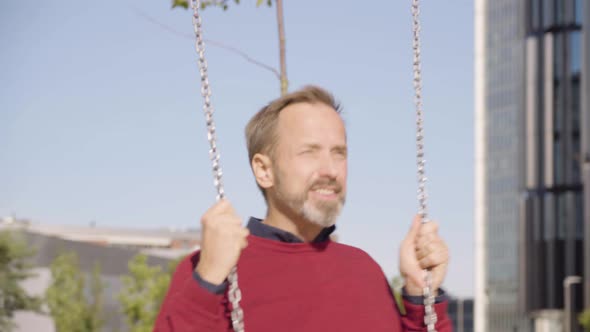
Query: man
(292, 276)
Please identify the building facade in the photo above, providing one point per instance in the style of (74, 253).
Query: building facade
(460, 312)
(499, 91)
(532, 161)
(552, 220)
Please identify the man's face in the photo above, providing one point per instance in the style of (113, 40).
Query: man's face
(310, 162)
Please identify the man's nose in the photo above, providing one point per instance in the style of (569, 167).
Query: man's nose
(328, 167)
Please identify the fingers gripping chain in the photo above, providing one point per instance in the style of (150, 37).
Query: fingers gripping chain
(234, 293)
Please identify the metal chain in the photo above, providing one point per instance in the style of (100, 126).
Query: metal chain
(429, 313)
(234, 293)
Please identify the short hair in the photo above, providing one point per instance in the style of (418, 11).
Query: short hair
(261, 133)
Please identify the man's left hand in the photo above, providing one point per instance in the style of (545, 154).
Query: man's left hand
(423, 249)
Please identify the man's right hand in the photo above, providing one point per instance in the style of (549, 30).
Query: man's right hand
(223, 239)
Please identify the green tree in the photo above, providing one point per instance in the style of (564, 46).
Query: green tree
(95, 316)
(284, 82)
(71, 309)
(585, 320)
(144, 289)
(14, 268)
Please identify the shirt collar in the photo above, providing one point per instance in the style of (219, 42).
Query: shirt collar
(257, 228)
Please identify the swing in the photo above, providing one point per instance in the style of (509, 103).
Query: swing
(234, 293)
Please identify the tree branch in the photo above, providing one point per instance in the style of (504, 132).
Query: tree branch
(213, 43)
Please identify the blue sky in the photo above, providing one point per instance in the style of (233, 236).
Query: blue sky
(100, 113)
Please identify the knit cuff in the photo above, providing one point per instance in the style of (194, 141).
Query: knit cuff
(212, 288)
(419, 300)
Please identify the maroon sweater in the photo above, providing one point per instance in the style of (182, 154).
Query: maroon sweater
(285, 287)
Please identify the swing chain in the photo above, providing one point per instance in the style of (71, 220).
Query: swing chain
(234, 293)
(430, 315)
(207, 106)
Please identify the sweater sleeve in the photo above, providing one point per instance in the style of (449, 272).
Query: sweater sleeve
(190, 307)
(413, 321)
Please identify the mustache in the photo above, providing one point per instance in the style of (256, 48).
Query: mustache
(326, 183)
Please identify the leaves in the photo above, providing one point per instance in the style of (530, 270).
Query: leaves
(180, 3)
(259, 3)
(95, 317)
(14, 268)
(66, 298)
(224, 4)
(143, 291)
(397, 283)
(584, 319)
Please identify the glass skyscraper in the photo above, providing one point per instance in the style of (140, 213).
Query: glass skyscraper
(532, 158)
(499, 88)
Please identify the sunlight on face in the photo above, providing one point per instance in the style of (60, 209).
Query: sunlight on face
(311, 162)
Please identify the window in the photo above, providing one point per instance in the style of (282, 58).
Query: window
(548, 12)
(559, 11)
(578, 11)
(534, 15)
(575, 52)
(557, 161)
(562, 215)
(549, 217)
(558, 97)
(579, 213)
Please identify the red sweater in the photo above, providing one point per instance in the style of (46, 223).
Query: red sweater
(295, 287)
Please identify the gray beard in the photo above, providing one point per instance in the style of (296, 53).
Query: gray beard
(323, 214)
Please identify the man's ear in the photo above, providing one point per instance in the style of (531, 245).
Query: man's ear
(262, 168)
